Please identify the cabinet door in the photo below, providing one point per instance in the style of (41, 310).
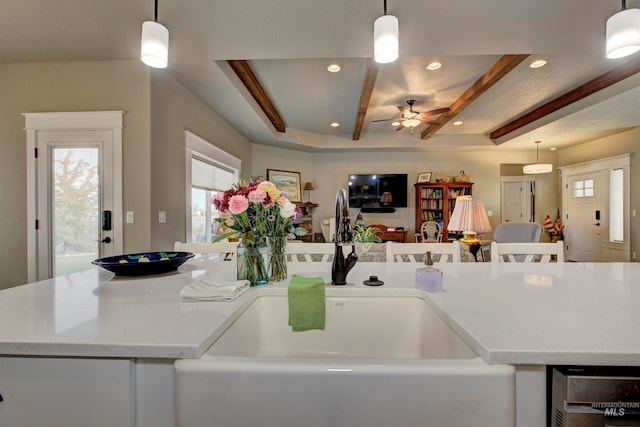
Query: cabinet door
(64, 392)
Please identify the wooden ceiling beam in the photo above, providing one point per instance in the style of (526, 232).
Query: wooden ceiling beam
(613, 76)
(250, 81)
(497, 71)
(369, 81)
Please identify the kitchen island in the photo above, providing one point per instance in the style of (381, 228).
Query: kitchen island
(126, 332)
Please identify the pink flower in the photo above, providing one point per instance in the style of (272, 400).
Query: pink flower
(238, 204)
(257, 196)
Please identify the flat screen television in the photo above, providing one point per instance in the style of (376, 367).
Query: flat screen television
(386, 190)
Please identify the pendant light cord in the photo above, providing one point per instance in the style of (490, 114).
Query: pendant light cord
(624, 4)
(385, 6)
(156, 12)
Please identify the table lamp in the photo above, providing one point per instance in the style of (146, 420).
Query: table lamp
(308, 187)
(470, 217)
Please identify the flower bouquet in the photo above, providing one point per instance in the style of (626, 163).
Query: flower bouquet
(260, 215)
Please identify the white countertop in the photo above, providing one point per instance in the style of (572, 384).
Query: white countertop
(570, 313)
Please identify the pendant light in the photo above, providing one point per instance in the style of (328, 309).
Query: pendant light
(154, 50)
(623, 33)
(537, 167)
(385, 38)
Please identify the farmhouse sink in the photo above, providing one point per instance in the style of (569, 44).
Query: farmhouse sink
(382, 361)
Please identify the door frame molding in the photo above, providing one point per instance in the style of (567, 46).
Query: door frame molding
(112, 121)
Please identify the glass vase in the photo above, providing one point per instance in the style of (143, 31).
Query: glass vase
(252, 264)
(277, 258)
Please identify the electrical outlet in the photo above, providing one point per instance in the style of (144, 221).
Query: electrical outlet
(162, 217)
(633, 255)
(130, 217)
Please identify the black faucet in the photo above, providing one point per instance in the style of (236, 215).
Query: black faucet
(343, 237)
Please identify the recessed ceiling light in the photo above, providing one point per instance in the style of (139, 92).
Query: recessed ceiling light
(395, 124)
(434, 66)
(458, 122)
(538, 63)
(333, 68)
(552, 149)
(335, 124)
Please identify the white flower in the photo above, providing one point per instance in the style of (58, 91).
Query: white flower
(287, 209)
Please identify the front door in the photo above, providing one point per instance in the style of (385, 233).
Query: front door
(583, 216)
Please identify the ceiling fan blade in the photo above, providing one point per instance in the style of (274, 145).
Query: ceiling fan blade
(436, 111)
(402, 109)
(382, 120)
(399, 128)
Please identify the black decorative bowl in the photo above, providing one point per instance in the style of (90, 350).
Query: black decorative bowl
(144, 263)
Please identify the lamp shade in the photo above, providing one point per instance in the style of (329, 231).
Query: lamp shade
(623, 33)
(308, 186)
(385, 39)
(536, 168)
(154, 50)
(469, 215)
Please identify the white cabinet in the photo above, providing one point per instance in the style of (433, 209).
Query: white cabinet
(66, 392)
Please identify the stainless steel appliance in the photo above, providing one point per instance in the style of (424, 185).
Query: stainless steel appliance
(595, 397)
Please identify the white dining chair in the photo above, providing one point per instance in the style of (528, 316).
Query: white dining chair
(298, 252)
(429, 233)
(415, 252)
(207, 253)
(527, 252)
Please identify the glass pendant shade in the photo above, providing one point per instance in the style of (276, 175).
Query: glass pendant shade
(385, 39)
(411, 123)
(154, 49)
(623, 33)
(537, 168)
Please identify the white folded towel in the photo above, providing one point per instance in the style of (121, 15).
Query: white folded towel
(210, 289)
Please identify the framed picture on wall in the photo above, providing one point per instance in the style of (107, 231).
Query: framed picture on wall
(424, 177)
(288, 182)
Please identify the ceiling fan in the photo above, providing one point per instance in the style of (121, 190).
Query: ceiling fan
(411, 118)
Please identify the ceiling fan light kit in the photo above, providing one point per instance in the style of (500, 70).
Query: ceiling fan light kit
(385, 38)
(623, 33)
(154, 44)
(537, 167)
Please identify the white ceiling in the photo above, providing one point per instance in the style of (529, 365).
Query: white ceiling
(289, 43)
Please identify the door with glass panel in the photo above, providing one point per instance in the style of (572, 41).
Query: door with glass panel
(584, 217)
(74, 200)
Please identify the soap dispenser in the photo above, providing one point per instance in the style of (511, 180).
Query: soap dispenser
(429, 278)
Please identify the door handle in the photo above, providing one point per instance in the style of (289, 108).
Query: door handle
(105, 240)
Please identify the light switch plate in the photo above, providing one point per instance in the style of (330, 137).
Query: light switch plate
(162, 217)
(130, 217)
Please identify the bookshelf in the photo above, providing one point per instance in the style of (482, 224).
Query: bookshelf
(435, 202)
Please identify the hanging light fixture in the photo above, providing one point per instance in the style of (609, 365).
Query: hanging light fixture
(537, 167)
(154, 50)
(623, 33)
(385, 38)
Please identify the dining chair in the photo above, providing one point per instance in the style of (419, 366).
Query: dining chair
(298, 252)
(415, 252)
(207, 253)
(527, 252)
(429, 232)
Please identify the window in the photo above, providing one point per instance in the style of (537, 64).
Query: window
(583, 188)
(206, 180)
(209, 170)
(616, 205)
